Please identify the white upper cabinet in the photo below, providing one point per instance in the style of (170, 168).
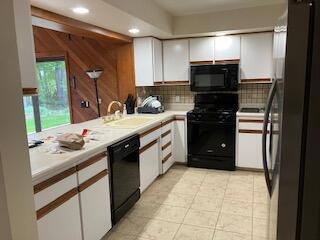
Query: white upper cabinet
(147, 61)
(227, 48)
(201, 49)
(176, 60)
(256, 57)
(25, 45)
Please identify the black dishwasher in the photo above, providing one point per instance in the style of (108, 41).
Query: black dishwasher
(125, 176)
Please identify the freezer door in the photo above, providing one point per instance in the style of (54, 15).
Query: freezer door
(273, 122)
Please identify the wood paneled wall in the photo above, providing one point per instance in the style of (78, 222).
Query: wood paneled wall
(81, 53)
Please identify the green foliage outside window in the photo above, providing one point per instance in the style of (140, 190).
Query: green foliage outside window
(53, 96)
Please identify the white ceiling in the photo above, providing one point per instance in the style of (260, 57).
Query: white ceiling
(188, 7)
(101, 14)
(157, 17)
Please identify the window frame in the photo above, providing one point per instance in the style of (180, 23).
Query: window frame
(47, 57)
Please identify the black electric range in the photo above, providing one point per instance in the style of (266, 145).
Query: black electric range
(212, 130)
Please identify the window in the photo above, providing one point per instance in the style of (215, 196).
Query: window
(51, 107)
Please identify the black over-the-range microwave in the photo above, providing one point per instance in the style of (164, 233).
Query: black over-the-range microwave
(216, 77)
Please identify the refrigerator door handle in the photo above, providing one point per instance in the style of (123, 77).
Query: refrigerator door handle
(265, 132)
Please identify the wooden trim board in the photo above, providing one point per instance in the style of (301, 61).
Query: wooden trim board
(177, 82)
(251, 131)
(92, 180)
(166, 133)
(56, 203)
(166, 145)
(46, 19)
(166, 158)
(227, 61)
(29, 91)
(209, 62)
(180, 118)
(251, 120)
(256, 80)
(51, 181)
(167, 122)
(149, 145)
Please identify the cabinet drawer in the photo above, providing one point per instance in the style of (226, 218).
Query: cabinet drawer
(166, 149)
(166, 126)
(167, 162)
(45, 192)
(250, 125)
(166, 138)
(92, 167)
(150, 135)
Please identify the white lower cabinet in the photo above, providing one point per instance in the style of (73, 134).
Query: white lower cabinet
(62, 223)
(95, 210)
(75, 204)
(179, 141)
(149, 164)
(249, 143)
(249, 150)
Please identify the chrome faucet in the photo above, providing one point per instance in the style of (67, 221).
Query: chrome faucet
(110, 105)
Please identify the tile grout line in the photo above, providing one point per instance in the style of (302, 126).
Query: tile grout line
(252, 209)
(188, 208)
(220, 211)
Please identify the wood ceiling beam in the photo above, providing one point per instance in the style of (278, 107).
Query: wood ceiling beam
(46, 19)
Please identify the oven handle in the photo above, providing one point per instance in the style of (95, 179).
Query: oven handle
(265, 132)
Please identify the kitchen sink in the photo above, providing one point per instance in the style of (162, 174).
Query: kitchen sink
(130, 122)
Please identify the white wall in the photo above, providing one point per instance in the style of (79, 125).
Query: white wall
(15, 174)
(147, 11)
(5, 232)
(240, 19)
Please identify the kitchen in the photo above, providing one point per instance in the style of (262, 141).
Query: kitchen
(138, 130)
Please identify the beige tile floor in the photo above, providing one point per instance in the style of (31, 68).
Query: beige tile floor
(198, 204)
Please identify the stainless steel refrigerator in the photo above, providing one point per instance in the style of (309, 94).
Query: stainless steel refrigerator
(292, 126)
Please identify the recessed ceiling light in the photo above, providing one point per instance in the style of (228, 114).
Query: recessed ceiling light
(134, 30)
(80, 10)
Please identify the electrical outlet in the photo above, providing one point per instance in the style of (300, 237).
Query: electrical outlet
(177, 99)
(84, 104)
(100, 100)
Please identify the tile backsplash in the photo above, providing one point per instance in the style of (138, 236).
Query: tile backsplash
(249, 94)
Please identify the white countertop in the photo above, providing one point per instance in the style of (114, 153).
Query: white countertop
(45, 164)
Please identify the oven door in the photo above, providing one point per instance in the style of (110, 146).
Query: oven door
(211, 139)
(209, 78)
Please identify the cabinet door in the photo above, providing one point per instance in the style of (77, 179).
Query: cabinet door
(227, 48)
(256, 57)
(179, 142)
(149, 165)
(201, 49)
(157, 60)
(143, 61)
(249, 150)
(62, 223)
(95, 209)
(176, 60)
